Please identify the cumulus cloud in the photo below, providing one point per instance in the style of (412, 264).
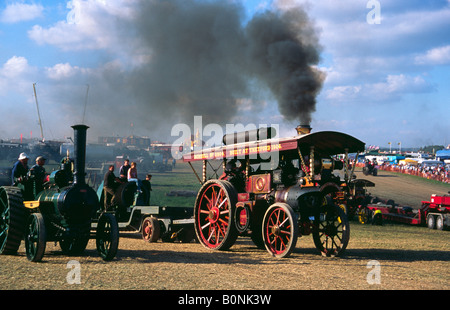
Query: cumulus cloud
(435, 56)
(14, 66)
(17, 12)
(89, 25)
(15, 73)
(388, 91)
(63, 71)
(343, 92)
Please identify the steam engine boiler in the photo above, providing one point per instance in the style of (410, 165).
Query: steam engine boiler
(60, 210)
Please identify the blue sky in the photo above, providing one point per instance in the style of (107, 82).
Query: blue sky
(385, 82)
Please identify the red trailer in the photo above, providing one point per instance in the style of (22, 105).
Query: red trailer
(434, 213)
(438, 211)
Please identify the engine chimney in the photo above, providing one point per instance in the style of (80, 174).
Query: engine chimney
(303, 129)
(80, 153)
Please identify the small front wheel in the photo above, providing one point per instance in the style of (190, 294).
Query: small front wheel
(280, 230)
(35, 237)
(107, 237)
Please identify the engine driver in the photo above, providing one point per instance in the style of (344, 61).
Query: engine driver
(109, 187)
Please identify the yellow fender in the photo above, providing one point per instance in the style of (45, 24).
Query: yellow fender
(31, 204)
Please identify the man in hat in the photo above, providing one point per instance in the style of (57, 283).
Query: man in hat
(20, 169)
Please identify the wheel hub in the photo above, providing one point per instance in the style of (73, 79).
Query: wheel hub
(330, 230)
(147, 229)
(213, 215)
(276, 230)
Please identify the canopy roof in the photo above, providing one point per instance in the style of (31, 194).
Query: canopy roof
(324, 142)
(443, 154)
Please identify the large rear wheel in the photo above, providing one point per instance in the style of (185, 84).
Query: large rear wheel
(13, 219)
(213, 213)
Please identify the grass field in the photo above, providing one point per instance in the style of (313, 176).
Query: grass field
(180, 181)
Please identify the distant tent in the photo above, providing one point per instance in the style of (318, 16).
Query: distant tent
(443, 154)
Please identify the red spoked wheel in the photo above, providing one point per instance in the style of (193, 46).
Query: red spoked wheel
(280, 230)
(213, 213)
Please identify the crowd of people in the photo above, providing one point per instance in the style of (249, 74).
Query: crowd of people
(127, 173)
(434, 172)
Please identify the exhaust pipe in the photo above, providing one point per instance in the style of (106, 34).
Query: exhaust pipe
(303, 129)
(80, 153)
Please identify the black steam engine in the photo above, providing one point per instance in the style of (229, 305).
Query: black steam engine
(62, 210)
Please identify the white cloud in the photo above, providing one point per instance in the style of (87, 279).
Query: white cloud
(63, 71)
(90, 24)
(14, 67)
(343, 92)
(392, 88)
(402, 84)
(17, 12)
(15, 74)
(435, 56)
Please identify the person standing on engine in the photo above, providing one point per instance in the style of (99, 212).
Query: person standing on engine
(20, 169)
(148, 186)
(38, 171)
(109, 187)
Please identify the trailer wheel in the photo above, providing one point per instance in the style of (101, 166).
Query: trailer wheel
(213, 214)
(13, 219)
(363, 215)
(431, 221)
(377, 218)
(280, 230)
(439, 222)
(151, 229)
(107, 237)
(35, 237)
(331, 232)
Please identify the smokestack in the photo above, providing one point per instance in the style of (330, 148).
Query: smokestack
(80, 153)
(303, 129)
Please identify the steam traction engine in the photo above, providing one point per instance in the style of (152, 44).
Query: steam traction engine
(61, 209)
(275, 190)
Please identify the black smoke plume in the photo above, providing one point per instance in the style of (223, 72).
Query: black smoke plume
(203, 55)
(200, 58)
